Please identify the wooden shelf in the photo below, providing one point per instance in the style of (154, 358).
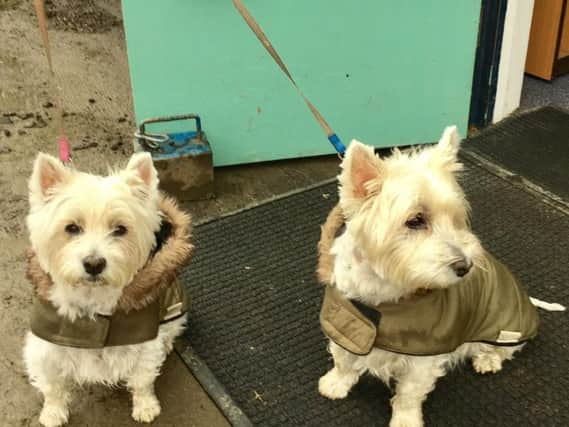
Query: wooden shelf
(548, 48)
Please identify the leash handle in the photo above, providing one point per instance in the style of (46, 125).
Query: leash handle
(63, 142)
(256, 28)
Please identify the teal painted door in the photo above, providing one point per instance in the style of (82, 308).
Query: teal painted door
(386, 72)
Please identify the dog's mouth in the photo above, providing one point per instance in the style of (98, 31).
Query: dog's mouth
(93, 281)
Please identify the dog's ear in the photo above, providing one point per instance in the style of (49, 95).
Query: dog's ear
(141, 167)
(48, 173)
(445, 152)
(361, 173)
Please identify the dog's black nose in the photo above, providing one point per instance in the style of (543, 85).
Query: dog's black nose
(461, 268)
(94, 265)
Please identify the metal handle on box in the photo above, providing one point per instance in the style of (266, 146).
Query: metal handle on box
(152, 141)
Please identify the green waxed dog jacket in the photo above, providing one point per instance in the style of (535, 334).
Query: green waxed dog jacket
(489, 306)
(120, 328)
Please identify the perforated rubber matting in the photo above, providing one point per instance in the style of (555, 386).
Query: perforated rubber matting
(255, 304)
(533, 144)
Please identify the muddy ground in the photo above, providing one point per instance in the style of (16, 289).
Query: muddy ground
(90, 61)
(89, 57)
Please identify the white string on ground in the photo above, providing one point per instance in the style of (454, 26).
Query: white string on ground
(547, 305)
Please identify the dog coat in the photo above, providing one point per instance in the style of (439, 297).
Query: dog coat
(154, 297)
(118, 328)
(489, 306)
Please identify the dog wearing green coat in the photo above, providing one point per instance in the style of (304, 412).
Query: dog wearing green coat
(410, 292)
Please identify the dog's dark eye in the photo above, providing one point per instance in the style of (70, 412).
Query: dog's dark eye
(120, 230)
(72, 229)
(418, 222)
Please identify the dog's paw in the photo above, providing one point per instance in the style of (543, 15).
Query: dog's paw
(409, 417)
(336, 386)
(406, 421)
(487, 362)
(145, 409)
(53, 416)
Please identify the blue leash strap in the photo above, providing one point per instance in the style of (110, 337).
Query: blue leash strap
(255, 27)
(337, 143)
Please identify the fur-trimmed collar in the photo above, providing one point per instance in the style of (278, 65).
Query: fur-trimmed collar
(329, 229)
(158, 273)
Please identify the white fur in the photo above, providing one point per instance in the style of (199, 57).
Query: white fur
(379, 258)
(98, 205)
(54, 369)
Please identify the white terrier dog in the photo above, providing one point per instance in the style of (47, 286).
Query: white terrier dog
(105, 255)
(406, 234)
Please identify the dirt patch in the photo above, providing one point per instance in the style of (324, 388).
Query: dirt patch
(80, 16)
(9, 4)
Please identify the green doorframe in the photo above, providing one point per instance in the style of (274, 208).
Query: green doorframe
(386, 72)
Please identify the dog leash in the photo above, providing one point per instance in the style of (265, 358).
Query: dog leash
(62, 141)
(256, 28)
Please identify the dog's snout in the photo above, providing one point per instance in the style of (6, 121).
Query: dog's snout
(461, 267)
(94, 265)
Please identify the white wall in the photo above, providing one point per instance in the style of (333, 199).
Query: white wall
(513, 57)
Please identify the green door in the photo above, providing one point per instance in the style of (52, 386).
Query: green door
(386, 72)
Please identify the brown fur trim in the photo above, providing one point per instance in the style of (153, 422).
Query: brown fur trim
(160, 271)
(333, 223)
(163, 268)
(37, 277)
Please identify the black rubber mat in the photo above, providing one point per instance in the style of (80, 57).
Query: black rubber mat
(534, 145)
(254, 318)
